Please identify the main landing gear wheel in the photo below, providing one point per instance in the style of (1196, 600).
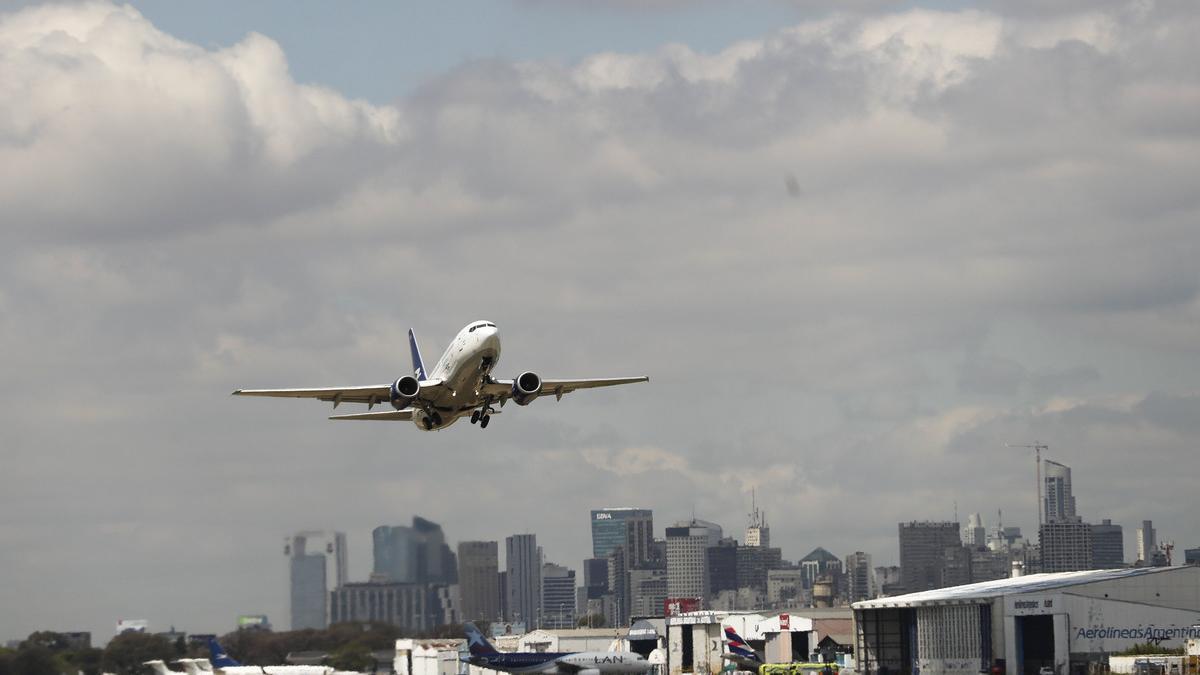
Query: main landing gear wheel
(437, 419)
(483, 421)
(474, 416)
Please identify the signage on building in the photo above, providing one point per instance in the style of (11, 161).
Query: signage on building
(603, 516)
(677, 606)
(258, 621)
(135, 625)
(785, 622)
(1024, 605)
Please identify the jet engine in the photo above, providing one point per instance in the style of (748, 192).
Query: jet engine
(526, 387)
(404, 391)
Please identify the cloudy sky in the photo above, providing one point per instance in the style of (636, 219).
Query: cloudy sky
(857, 251)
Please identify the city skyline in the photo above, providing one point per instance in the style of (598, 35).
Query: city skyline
(858, 250)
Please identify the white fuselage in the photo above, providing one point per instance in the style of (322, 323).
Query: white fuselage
(463, 367)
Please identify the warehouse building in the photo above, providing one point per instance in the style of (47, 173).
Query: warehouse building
(1064, 621)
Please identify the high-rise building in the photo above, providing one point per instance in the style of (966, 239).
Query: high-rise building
(558, 597)
(647, 591)
(753, 563)
(889, 581)
(317, 564)
(722, 566)
(975, 535)
(1108, 546)
(1191, 556)
(785, 586)
(687, 557)
(757, 532)
(523, 561)
(595, 577)
(859, 575)
(624, 526)
(1066, 545)
(618, 586)
(818, 563)
(1146, 542)
(1060, 502)
(413, 554)
(479, 580)
(416, 607)
(923, 553)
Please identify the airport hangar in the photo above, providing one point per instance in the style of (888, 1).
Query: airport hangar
(1064, 620)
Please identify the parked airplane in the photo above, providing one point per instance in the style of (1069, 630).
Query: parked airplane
(461, 384)
(160, 668)
(222, 664)
(484, 655)
(740, 653)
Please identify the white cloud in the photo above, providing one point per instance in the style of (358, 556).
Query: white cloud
(992, 239)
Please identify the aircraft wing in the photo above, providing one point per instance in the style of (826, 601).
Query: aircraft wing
(370, 394)
(503, 388)
(384, 415)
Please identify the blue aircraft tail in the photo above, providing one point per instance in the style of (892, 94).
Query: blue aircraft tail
(418, 364)
(219, 658)
(476, 642)
(738, 646)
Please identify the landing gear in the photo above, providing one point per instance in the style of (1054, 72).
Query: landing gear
(437, 419)
(428, 423)
(474, 416)
(483, 421)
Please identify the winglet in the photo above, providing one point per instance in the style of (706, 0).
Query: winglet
(418, 364)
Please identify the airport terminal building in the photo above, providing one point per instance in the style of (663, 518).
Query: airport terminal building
(1065, 621)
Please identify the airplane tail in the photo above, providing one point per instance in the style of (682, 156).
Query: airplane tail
(738, 646)
(418, 364)
(476, 642)
(219, 658)
(158, 666)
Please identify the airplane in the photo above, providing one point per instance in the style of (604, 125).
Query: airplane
(160, 668)
(484, 655)
(459, 385)
(222, 664)
(740, 653)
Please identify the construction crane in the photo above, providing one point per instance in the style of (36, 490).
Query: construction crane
(1038, 448)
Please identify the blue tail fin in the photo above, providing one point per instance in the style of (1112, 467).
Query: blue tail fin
(219, 658)
(738, 646)
(418, 364)
(476, 642)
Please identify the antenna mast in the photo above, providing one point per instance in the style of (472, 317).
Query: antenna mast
(1037, 448)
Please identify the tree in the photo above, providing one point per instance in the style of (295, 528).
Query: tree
(126, 653)
(36, 660)
(353, 657)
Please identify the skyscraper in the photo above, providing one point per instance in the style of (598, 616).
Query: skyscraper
(687, 557)
(624, 526)
(1146, 542)
(1065, 544)
(975, 535)
(310, 578)
(923, 553)
(414, 554)
(818, 563)
(479, 580)
(1108, 546)
(1060, 502)
(722, 566)
(860, 576)
(523, 561)
(558, 597)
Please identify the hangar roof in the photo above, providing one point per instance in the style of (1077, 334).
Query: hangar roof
(986, 590)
